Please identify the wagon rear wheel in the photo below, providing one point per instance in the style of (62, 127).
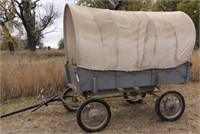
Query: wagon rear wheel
(170, 106)
(93, 115)
(71, 100)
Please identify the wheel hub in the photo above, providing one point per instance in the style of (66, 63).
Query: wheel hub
(74, 99)
(93, 114)
(170, 105)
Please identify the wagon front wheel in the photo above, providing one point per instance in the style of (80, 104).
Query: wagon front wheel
(93, 115)
(71, 100)
(170, 106)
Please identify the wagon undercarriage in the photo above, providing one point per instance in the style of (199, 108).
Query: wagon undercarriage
(93, 113)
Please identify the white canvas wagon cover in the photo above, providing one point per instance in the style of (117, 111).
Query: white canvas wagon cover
(100, 39)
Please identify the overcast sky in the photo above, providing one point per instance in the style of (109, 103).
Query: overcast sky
(52, 39)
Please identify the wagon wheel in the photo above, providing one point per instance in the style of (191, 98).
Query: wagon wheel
(71, 100)
(93, 115)
(134, 97)
(170, 106)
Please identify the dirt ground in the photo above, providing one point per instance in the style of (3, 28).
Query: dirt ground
(126, 118)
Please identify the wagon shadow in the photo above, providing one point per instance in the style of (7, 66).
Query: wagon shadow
(133, 114)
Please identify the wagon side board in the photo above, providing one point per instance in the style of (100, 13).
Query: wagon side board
(92, 80)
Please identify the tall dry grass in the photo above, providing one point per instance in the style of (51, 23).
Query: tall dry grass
(25, 74)
(195, 75)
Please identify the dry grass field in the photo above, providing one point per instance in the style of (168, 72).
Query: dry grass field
(23, 75)
(126, 118)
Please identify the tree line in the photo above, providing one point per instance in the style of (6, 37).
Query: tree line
(33, 17)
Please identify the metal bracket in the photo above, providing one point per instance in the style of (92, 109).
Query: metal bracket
(120, 89)
(95, 85)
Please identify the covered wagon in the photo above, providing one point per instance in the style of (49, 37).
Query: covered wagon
(125, 51)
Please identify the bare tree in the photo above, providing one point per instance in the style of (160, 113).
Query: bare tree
(34, 22)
